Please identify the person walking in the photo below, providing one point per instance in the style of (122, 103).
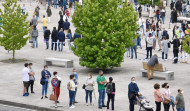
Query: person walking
(64, 4)
(44, 22)
(31, 78)
(157, 96)
(23, 8)
(34, 21)
(139, 38)
(184, 8)
(66, 26)
(151, 12)
(34, 35)
(45, 76)
(60, 24)
(183, 53)
(46, 37)
(158, 14)
(89, 88)
(150, 66)
(163, 14)
(141, 24)
(25, 78)
(76, 83)
(55, 3)
(37, 11)
(159, 39)
(140, 10)
(150, 39)
(174, 16)
(69, 37)
(61, 38)
(110, 90)
(58, 87)
(71, 86)
(165, 48)
(176, 45)
(166, 96)
(49, 13)
(180, 101)
(54, 37)
(134, 48)
(101, 81)
(133, 91)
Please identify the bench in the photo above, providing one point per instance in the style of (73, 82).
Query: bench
(68, 63)
(159, 71)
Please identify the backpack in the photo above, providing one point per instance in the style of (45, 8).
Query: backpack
(68, 86)
(109, 88)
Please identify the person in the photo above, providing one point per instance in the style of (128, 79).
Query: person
(65, 16)
(25, 78)
(58, 87)
(60, 24)
(55, 3)
(70, 4)
(163, 14)
(61, 13)
(174, 16)
(134, 48)
(157, 96)
(110, 90)
(158, 14)
(46, 37)
(184, 8)
(76, 83)
(165, 33)
(148, 24)
(49, 13)
(150, 39)
(69, 37)
(165, 48)
(166, 96)
(176, 44)
(45, 76)
(34, 35)
(34, 21)
(44, 22)
(64, 4)
(151, 12)
(66, 26)
(101, 81)
(177, 32)
(141, 24)
(37, 9)
(150, 66)
(76, 36)
(133, 91)
(159, 38)
(61, 38)
(72, 87)
(172, 5)
(23, 8)
(180, 101)
(54, 37)
(139, 38)
(140, 10)
(183, 53)
(80, 2)
(32, 78)
(89, 88)
(174, 31)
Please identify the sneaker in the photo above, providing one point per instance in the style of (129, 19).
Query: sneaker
(75, 102)
(100, 107)
(104, 106)
(27, 94)
(86, 104)
(33, 92)
(42, 97)
(24, 94)
(72, 107)
(46, 97)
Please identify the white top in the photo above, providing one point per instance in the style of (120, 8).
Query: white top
(150, 41)
(167, 92)
(23, 8)
(80, 2)
(72, 85)
(164, 3)
(141, 21)
(89, 87)
(25, 75)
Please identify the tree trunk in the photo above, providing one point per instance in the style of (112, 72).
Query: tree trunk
(13, 54)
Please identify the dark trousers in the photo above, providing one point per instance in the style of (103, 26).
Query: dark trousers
(175, 52)
(31, 84)
(166, 107)
(110, 97)
(149, 49)
(139, 14)
(131, 106)
(163, 55)
(52, 45)
(158, 106)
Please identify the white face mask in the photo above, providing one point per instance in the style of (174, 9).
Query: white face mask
(74, 72)
(133, 82)
(89, 77)
(182, 92)
(46, 69)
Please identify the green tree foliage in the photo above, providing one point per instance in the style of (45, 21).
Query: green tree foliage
(144, 2)
(14, 27)
(185, 43)
(107, 32)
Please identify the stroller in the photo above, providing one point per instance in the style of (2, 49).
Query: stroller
(144, 103)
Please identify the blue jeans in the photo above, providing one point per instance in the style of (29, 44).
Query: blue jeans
(52, 45)
(163, 55)
(71, 97)
(128, 52)
(44, 29)
(44, 88)
(60, 4)
(139, 41)
(60, 47)
(149, 49)
(75, 95)
(180, 109)
(163, 18)
(142, 26)
(158, 17)
(101, 97)
(37, 19)
(35, 41)
(184, 12)
(55, 3)
(88, 93)
(135, 50)
(47, 43)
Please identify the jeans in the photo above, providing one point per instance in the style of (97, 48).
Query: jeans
(149, 49)
(163, 55)
(52, 45)
(158, 17)
(166, 107)
(163, 18)
(44, 88)
(60, 47)
(55, 3)
(135, 50)
(110, 97)
(31, 84)
(47, 43)
(60, 4)
(35, 41)
(139, 41)
(75, 94)
(128, 52)
(180, 109)
(44, 28)
(131, 106)
(37, 19)
(101, 97)
(88, 93)
(184, 12)
(69, 43)
(142, 27)
(71, 97)
(158, 106)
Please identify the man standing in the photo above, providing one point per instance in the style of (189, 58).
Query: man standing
(25, 77)
(46, 37)
(150, 66)
(150, 40)
(61, 37)
(76, 83)
(66, 26)
(141, 24)
(101, 81)
(49, 13)
(176, 44)
(31, 77)
(54, 38)
(44, 22)
(133, 91)
(180, 102)
(34, 21)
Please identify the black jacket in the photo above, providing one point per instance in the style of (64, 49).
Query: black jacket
(60, 25)
(54, 35)
(66, 25)
(113, 86)
(176, 43)
(47, 34)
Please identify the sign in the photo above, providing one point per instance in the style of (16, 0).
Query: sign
(54, 82)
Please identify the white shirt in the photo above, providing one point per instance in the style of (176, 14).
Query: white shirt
(80, 2)
(141, 21)
(25, 75)
(23, 8)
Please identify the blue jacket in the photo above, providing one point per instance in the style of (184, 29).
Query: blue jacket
(76, 78)
(165, 33)
(132, 89)
(69, 36)
(66, 25)
(61, 36)
(76, 36)
(64, 2)
(43, 73)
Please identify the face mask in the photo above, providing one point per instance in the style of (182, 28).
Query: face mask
(88, 77)
(168, 86)
(74, 72)
(182, 92)
(133, 82)
(102, 74)
(46, 69)
(30, 67)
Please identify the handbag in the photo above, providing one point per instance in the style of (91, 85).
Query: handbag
(166, 101)
(42, 81)
(84, 86)
(52, 97)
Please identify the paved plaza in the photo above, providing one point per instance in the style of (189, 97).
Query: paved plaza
(11, 85)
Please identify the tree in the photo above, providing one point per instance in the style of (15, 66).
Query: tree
(15, 27)
(107, 31)
(151, 2)
(186, 42)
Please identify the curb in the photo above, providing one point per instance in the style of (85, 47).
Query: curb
(32, 107)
